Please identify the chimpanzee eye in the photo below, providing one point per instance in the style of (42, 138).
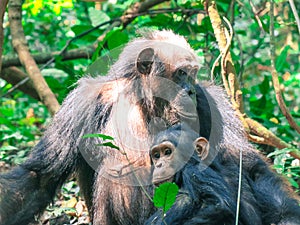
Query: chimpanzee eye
(181, 72)
(156, 155)
(168, 151)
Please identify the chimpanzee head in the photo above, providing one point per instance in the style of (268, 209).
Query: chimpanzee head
(172, 149)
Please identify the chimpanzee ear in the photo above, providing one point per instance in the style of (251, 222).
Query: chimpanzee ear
(202, 147)
(145, 60)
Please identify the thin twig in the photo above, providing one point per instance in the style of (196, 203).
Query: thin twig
(239, 189)
(136, 177)
(275, 79)
(224, 57)
(294, 10)
(242, 60)
(256, 13)
(21, 47)
(212, 73)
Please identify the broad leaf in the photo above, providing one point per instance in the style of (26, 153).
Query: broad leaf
(116, 38)
(281, 60)
(97, 17)
(165, 196)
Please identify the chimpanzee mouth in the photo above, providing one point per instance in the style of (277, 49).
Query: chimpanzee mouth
(159, 182)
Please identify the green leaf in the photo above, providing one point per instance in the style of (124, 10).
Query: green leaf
(8, 148)
(102, 136)
(109, 144)
(264, 87)
(78, 29)
(282, 151)
(53, 72)
(281, 60)
(7, 112)
(67, 4)
(165, 196)
(36, 7)
(57, 9)
(292, 182)
(97, 17)
(116, 38)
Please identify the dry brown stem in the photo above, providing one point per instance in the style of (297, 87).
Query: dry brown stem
(20, 45)
(42, 58)
(275, 79)
(14, 75)
(255, 131)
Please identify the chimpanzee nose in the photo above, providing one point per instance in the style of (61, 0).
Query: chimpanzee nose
(159, 165)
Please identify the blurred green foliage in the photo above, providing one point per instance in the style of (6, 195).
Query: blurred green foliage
(20, 126)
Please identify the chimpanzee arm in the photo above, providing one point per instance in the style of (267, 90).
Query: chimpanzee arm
(25, 193)
(277, 206)
(29, 188)
(226, 134)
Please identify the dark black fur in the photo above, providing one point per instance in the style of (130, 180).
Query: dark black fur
(205, 196)
(208, 194)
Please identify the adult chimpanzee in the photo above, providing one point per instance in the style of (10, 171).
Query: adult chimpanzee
(151, 87)
(204, 196)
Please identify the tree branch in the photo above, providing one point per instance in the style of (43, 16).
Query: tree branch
(135, 9)
(14, 75)
(267, 137)
(296, 15)
(255, 131)
(228, 71)
(3, 4)
(20, 45)
(41, 58)
(275, 79)
(254, 10)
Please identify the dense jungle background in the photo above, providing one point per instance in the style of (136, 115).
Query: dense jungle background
(251, 48)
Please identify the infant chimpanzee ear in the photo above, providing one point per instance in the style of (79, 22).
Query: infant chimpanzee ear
(202, 147)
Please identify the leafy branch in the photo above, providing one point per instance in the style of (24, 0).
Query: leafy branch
(274, 73)
(256, 132)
